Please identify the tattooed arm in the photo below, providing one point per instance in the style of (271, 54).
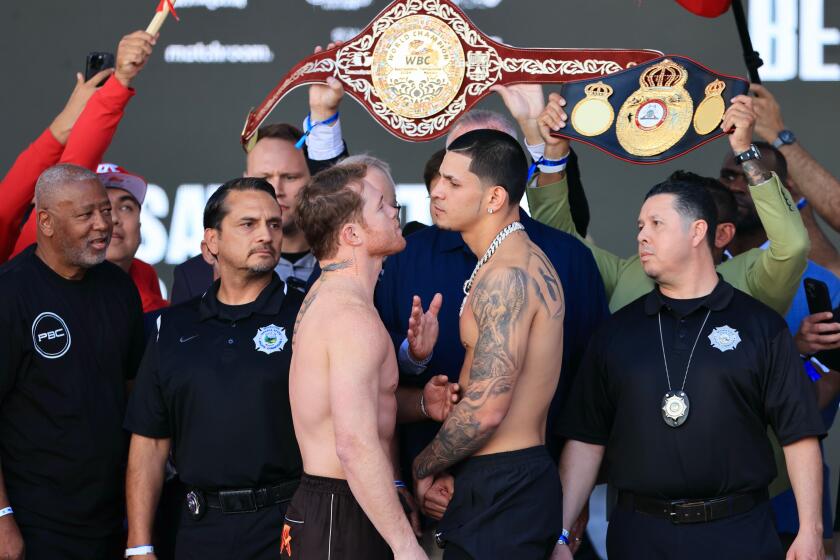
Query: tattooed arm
(499, 303)
(739, 123)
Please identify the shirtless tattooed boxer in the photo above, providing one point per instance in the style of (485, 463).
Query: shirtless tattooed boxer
(507, 498)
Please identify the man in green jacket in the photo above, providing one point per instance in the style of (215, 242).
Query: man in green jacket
(771, 276)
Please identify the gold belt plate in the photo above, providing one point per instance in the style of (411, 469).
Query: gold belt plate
(658, 114)
(418, 66)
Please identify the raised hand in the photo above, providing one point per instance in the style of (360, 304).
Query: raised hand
(739, 121)
(553, 119)
(324, 99)
(133, 52)
(64, 121)
(423, 328)
(768, 114)
(439, 396)
(525, 102)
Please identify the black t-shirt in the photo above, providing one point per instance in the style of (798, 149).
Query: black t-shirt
(216, 381)
(67, 349)
(744, 375)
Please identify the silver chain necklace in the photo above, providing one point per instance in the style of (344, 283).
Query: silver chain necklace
(512, 227)
(675, 404)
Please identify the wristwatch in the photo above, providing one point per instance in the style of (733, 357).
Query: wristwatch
(785, 138)
(752, 153)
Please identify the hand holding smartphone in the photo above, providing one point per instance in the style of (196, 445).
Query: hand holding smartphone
(96, 62)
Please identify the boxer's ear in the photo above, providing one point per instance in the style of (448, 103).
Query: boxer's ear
(497, 199)
(351, 235)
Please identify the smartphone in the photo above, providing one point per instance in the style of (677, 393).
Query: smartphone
(816, 292)
(97, 62)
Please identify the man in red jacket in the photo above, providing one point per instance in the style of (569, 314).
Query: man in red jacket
(90, 137)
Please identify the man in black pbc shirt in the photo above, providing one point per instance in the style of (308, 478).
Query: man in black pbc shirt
(676, 391)
(72, 335)
(213, 386)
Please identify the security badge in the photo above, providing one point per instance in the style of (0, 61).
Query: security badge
(725, 338)
(270, 339)
(675, 407)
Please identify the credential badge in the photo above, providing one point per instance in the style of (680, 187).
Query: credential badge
(270, 339)
(725, 338)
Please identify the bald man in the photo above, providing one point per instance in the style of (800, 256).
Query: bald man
(72, 335)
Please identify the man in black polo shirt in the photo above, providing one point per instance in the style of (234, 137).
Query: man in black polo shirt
(213, 386)
(72, 334)
(677, 389)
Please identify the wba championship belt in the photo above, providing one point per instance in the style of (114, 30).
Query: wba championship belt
(422, 63)
(651, 113)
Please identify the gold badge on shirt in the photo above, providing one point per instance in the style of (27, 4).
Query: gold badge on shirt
(658, 114)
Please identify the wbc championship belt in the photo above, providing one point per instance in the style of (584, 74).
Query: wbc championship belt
(420, 64)
(650, 113)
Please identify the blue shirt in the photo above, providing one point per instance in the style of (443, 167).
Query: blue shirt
(799, 306)
(435, 260)
(784, 505)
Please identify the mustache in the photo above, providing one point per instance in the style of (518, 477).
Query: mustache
(260, 248)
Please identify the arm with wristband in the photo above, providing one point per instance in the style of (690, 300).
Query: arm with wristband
(143, 485)
(579, 465)
(322, 134)
(147, 419)
(11, 541)
(773, 276)
(818, 185)
(11, 356)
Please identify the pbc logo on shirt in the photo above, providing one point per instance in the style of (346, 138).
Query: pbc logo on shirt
(50, 335)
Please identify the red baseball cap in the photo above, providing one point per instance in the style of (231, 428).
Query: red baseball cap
(113, 176)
